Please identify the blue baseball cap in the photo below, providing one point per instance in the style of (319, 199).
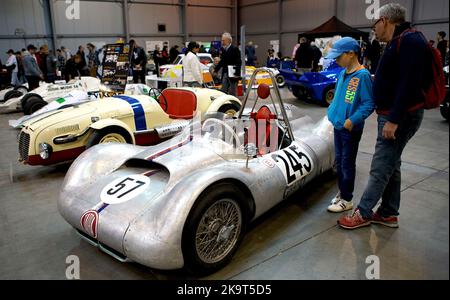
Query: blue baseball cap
(342, 46)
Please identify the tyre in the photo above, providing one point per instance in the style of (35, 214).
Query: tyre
(214, 229)
(444, 110)
(229, 109)
(299, 92)
(280, 80)
(33, 104)
(22, 89)
(328, 96)
(12, 94)
(113, 134)
(28, 96)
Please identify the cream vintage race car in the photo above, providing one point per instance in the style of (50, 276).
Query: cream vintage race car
(77, 97)
(48, 92)
(62, 135)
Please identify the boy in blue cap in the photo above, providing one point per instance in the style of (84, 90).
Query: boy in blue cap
(352, 104)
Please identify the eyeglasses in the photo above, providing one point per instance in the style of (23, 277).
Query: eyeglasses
(375, 24)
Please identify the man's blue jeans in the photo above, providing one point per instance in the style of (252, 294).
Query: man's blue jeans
(346, 145)
(385, 175)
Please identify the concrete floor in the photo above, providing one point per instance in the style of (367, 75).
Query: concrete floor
(297, 239)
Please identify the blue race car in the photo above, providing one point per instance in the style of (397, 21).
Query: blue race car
(312, 86)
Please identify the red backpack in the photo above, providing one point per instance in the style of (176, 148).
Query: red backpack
(435, 93)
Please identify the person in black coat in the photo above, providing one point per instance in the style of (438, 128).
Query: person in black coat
(231, 56)
(304, 57)
(442, 45)
(138, 62)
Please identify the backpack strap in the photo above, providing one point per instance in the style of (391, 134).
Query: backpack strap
(404, 33)
(407, 32)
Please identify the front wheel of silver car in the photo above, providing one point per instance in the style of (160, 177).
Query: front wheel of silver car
(214, 229)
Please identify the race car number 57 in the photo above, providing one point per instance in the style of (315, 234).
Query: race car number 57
(124, 189)
(294, 162)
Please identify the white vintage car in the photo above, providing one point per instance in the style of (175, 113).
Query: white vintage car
(48, 92)
(13, 92)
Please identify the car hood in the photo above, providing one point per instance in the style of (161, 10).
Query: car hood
(63, 115)
(165, 165)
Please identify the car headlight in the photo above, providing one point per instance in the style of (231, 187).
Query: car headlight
(45, 150)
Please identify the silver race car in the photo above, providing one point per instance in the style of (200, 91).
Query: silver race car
(187, 202)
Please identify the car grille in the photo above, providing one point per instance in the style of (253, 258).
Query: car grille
(24, 144)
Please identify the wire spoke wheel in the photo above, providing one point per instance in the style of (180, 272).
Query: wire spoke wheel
(218, 231)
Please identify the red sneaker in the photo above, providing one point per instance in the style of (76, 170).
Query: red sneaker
(354, 221)
(391, 222)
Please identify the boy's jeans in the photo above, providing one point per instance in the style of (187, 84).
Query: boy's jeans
(346, 146)
(385, 176)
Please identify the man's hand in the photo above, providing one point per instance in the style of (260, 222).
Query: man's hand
(389, 130)
(348, 125)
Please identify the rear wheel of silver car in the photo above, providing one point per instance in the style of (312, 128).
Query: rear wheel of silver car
(214, 229)
(112, 134)
(33, 104)
(328, 96)
(12, 94)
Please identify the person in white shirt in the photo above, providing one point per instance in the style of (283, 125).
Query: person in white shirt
(12, 62)
(192, 67)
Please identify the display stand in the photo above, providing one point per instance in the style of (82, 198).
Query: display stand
(116, 65)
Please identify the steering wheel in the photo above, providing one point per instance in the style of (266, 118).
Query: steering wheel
(156, 94)
(228, 127)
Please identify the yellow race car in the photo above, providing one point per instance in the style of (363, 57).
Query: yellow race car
(62, 135)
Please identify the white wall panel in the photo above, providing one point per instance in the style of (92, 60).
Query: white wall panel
(432, 9)
(208, 20)
(215, 2)
(95, 17)
(245, 2)
(144, 18)
(354, 12)
(24, 14)
(260, 18)
(306, 14)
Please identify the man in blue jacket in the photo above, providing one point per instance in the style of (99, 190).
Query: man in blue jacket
(401, 76)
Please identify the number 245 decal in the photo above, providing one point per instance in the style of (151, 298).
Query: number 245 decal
(293, 159)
